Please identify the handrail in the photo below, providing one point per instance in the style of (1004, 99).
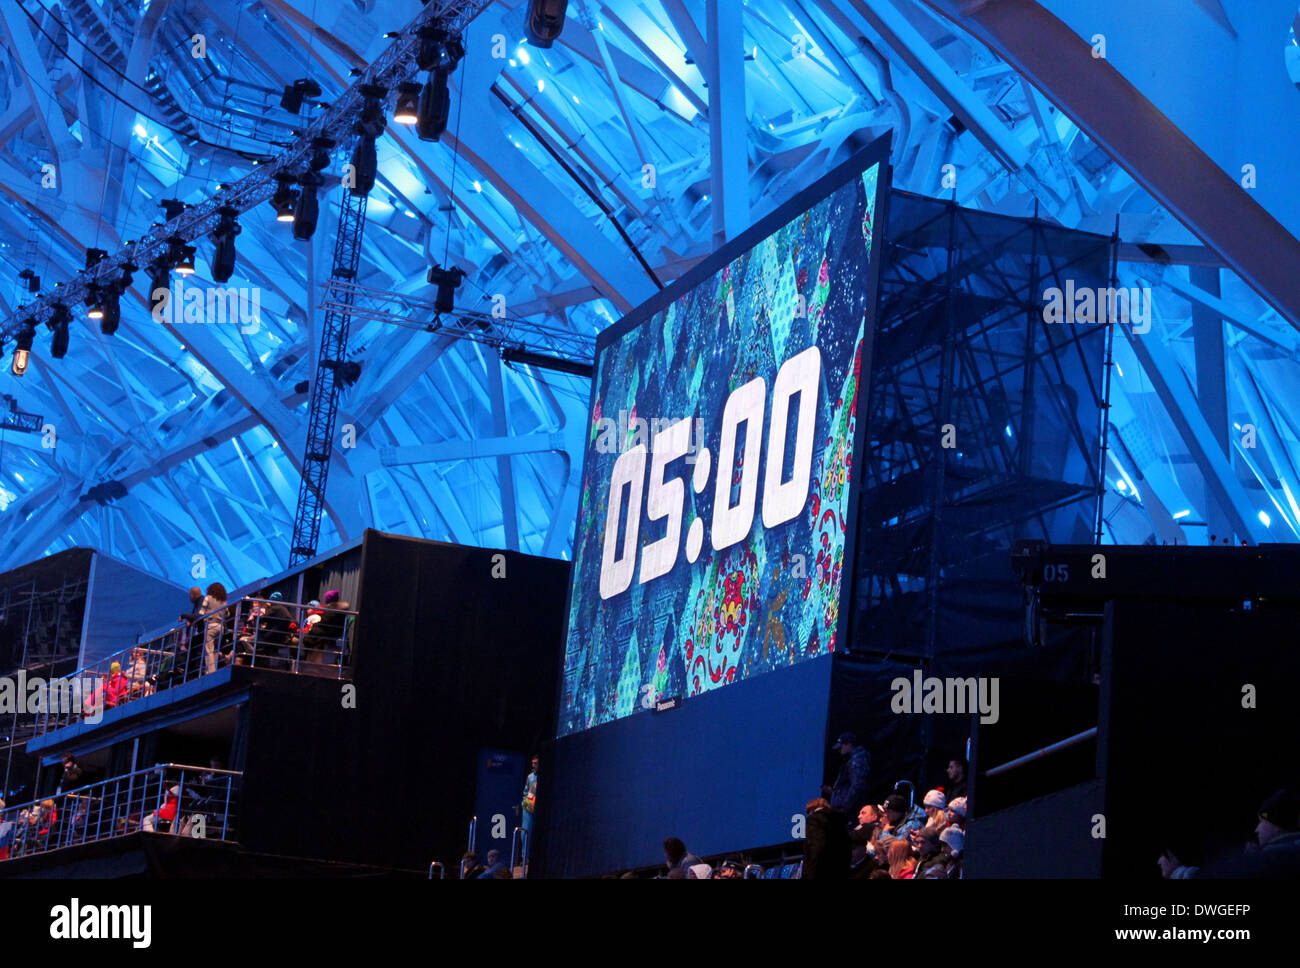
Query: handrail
(240, 632)
(442, 873)
(165, 798)
(519, 839)
(1043, 751)
(750, 868)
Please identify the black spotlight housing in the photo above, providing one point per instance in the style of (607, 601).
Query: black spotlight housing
(307, 213)
(159, 285)
(365, 166)
(223, 257)
(93, 257)
(292, 98)
(185, 260)
(544, 21)
(430, 52)
(435, 107)
(32, 279)
(59, 323)
(108, 323)
(448, 281)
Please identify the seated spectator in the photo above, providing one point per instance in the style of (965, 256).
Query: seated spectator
(1173, 869)
(323, 640)
(902, 864)
(678, 857)
(730, 870)
(957, 812)
(117, 688)
(826, 849)
(935, 805)
(952, 842)
(862, 839)
(275, 633)
(160, 820)
(699, 872)
(879, 874)
(1278, 834)
(496, 868)
(932, 864)
(138, 684)
(899, 821)
(470, 868)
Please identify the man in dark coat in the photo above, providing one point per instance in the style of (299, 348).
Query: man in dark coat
(850, 790)
(826, 842)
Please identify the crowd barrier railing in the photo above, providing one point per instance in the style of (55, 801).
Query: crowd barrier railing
(185, 801)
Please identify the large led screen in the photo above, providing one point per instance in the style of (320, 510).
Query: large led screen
(711, 534)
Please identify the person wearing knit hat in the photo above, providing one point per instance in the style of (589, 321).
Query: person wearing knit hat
(953, 843)
(935, 804)
(957, 812)
(954, 840)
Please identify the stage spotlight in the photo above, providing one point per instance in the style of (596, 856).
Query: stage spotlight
(23, 348)
(544, 21)
(430, 53)
(159, 286)
(223, 256)
(369, 126)
(308, 210)
(454, 51)
(408, 103)
(435, 106)
(112, 312)
(292, 98)
(59, 323)
(447, 281)
(96, 303)
(93, 256)
(285, 197)
(32, 279)
(185, 264)
(171, 207)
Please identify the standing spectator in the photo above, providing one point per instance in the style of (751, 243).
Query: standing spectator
(956, 787)
(953, 843)
(902, 865)
(74, 775)
(678, 857)
(826, 850)
(850, 790)
(529, 803)
(936, 809)
(214, 606)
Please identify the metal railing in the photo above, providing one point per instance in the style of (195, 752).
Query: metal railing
(170, 798)
(285, 636)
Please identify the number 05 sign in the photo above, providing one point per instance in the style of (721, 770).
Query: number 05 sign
(712, 526)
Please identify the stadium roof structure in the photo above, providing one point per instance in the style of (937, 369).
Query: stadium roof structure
(573, 182)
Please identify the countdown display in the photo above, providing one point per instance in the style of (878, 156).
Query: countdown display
(710, 540)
